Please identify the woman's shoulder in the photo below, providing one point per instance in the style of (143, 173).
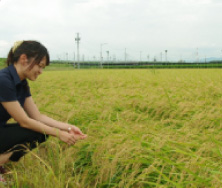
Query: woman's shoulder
(4, 71)
(5, 77)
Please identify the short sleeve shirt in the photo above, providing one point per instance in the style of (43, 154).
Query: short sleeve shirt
(11, 89)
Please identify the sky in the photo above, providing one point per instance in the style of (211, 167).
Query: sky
(124, 29)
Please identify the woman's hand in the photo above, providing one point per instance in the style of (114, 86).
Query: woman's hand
(67, 137)
(76, 132)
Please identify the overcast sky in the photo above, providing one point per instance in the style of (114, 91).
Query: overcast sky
(145, 28)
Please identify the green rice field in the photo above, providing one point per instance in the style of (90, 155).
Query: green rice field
(146, 128)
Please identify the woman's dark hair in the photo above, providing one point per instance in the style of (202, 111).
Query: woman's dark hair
(32, 49)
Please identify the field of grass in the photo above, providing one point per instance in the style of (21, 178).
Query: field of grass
(2, 63)
(146, 128)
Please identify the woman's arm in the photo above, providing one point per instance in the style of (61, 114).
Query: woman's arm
(19, 115)
(62, 126)
(33, 112)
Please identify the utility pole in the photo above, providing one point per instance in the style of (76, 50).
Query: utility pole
(77, 39)
(181, 59)
(107, 56)
(197, 56)
(101, 54)
(154, 59)
(166, 55)
(221, 55)
(140, 56)
(67, 55)
(114, 58)
(74, 59)
(125, 54)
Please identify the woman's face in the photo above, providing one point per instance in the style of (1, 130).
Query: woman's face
(32, 74)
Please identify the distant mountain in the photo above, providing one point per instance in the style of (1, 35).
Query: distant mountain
(203, 60)
(212, 59)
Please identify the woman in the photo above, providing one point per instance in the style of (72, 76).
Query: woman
(26, 60)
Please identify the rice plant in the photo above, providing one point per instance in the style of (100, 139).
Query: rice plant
(145, 128)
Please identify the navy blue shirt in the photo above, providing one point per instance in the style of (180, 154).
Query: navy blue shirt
(11, 89)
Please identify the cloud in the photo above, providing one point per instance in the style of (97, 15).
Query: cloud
(150, 26)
